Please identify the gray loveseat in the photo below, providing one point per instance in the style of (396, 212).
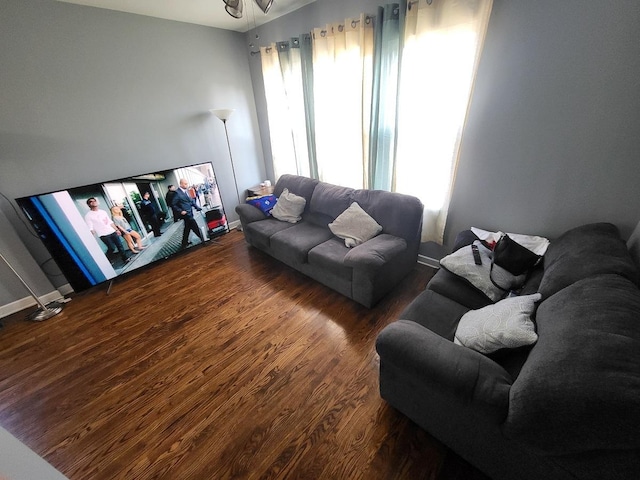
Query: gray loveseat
(567, 407)
(364, 273)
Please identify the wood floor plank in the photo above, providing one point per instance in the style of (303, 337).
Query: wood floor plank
(219, 363)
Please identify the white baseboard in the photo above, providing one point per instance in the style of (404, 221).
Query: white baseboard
(26, 302)
(428, 261)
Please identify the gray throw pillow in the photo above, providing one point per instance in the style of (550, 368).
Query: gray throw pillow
(354, 226)
(506, 324)
(461, 263)
(289, 207)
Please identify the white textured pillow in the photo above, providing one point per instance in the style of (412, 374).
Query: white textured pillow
(355, 226)
(506, 324)
(461, 263)
(289, 207)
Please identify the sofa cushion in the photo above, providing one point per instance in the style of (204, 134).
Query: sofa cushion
(579, 389)
(435, 312)
(330, 200)
(506, 324)
(298, 185)
(398, 214)
(585, 251)
(260, 232)
(330, 255)
(457, 289)
(354, 226)
(293, 244)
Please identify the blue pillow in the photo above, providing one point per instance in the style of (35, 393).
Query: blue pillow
(264, 203)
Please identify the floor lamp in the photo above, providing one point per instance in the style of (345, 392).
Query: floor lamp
(44, 312)
(224, 114)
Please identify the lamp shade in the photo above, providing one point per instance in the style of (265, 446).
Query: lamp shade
(264, 5)
(234, 8)
(223, 113)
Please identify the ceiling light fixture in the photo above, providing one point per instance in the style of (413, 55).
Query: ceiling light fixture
(234, 7)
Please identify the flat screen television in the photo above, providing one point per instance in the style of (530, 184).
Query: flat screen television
(77, 224)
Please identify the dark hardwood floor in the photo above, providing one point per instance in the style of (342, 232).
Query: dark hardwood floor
(220, 363)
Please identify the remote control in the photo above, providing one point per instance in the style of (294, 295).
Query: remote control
(476, 255)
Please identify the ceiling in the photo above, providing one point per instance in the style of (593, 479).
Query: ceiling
(201, 12)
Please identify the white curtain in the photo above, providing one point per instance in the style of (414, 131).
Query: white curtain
(442, 44)
(342, 73)
(281, 71)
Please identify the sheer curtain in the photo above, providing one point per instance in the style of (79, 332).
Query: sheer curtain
(442, 44)
(342, 72)
(284, 90)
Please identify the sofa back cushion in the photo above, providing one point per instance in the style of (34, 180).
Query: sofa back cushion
(330, 200)
(398, 214)
(583, 252)
(579, 388)
(301, 186)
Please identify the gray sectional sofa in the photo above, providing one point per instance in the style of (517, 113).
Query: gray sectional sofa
(566, 407)
(364, 273)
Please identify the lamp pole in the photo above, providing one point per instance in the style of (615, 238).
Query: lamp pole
(224, 114)
(44, 312)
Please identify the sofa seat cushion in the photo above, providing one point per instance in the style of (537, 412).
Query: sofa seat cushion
(435, 312)
(262, 231)
(330, 255)
(579, 389)
(585, 251)
(292, 245)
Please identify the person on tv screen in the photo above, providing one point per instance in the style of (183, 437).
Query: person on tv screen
(101, 225)
(149, 214)
(183, 206)
(132, 237)
(171, 193)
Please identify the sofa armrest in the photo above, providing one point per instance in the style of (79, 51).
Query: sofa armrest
(434, 360)
(375, 252)
(249, 213)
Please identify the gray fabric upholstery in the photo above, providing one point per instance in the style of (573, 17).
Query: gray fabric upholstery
(589, 350)
(364, 273)
(585, 251)
(571, 408)
(421, 352)
(458, 289)
(330, 255)
(634, 245)
(330, 200)
(375, 252)
(294, 243)
(384, 207)
(260, 233)
(301, 186)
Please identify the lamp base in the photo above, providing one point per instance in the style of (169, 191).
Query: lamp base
(45, 314)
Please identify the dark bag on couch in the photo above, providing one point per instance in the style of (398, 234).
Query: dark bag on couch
(512, 257)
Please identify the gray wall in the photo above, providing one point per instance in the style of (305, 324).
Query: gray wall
(553, 134)
(90, 94)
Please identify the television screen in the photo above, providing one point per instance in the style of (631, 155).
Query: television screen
(100, 231)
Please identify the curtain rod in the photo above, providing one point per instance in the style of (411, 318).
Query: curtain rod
(367, 19)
